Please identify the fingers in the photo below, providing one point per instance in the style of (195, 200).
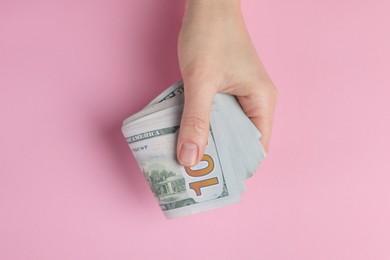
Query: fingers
(259, 106)
(194, 127)
(265, 127)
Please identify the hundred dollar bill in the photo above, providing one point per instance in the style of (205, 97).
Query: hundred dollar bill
(180, 190)
(234, 118)
(232, 154)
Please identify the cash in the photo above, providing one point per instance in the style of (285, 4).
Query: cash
(232, 155)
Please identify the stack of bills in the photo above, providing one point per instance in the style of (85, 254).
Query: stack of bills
(232, 155)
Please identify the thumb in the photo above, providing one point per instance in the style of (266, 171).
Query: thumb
(195, 123)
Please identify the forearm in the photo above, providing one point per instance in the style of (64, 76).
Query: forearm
(212, 8)
(211, 30)
(234, 4)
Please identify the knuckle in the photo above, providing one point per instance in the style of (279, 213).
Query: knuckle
(196, 79)
(273, 90)
(267, 89)
(195, 124)
(193, 75)
(198, 72)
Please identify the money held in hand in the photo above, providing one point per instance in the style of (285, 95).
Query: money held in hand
(232, 155)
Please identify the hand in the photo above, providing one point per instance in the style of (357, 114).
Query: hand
(217, 55)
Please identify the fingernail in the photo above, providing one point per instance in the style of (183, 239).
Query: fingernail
(188, 154)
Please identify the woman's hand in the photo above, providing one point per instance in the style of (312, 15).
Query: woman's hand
(217, 55)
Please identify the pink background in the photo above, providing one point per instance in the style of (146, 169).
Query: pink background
(71, 71)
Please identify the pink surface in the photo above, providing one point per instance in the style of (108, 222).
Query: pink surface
(71, 71)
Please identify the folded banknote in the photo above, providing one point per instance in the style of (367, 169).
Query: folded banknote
(232, 155)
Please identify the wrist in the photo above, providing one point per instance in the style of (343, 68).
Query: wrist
(213, 4)
(213, 9)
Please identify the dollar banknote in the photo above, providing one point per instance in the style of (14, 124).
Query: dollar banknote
(232, 155)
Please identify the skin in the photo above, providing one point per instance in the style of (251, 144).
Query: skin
(216, 55)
